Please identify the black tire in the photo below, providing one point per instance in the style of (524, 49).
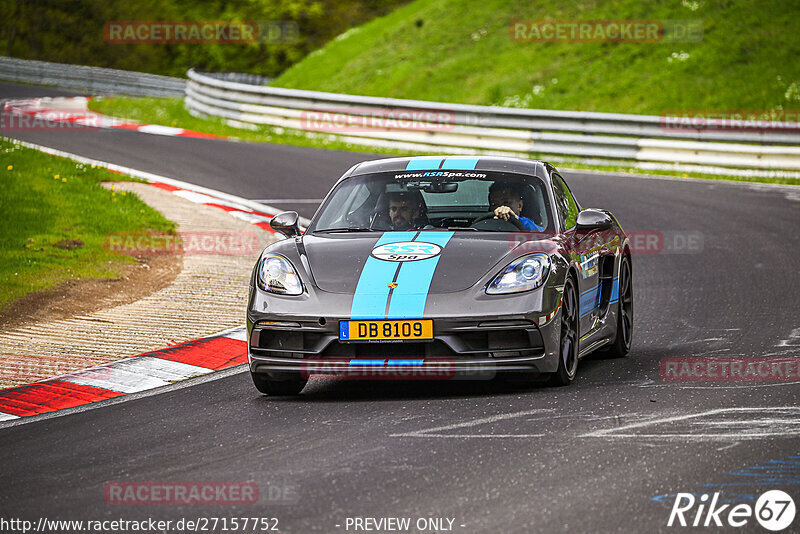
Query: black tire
(624, 334)
(568, 341)
(289, 384)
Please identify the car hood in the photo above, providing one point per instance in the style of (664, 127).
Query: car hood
(340, 263)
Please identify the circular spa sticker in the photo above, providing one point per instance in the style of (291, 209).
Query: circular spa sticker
(406, 251)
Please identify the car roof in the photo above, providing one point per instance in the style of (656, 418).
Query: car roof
(449, 162)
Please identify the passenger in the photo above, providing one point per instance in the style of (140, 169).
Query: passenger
(505, 200)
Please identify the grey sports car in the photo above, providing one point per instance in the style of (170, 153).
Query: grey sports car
(440, 267)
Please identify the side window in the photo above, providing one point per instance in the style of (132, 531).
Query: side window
(561, 202)
(567, 205)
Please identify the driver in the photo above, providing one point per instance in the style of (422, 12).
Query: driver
(407, 210)
(505, 200)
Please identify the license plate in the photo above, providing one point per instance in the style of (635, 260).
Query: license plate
(415, 330)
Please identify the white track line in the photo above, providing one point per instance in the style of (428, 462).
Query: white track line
(434, 432)
(790, 411)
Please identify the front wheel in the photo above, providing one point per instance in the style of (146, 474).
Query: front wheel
(285, 385)
(568, 347)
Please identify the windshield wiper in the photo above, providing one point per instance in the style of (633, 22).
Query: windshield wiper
(457, 228)
(348, 229)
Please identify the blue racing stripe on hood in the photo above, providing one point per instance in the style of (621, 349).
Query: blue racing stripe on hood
(423, 163)
(414, 280)
(460, 162)
(372, 290)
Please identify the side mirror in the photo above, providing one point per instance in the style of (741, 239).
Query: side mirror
(286, 223)
(590, 220)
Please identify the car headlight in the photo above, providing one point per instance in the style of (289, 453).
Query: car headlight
(523, 274)
(276, 274)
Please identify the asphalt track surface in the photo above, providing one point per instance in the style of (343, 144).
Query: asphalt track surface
(592, 457)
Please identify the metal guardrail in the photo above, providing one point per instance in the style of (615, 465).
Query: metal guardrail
(467, 128)
(422, 125)
(92, 80)
(239, 77)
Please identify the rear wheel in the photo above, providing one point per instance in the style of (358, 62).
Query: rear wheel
(568, 346)
(622, 342)
(285, 384)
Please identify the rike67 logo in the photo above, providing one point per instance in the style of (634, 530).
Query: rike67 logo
(774, 510)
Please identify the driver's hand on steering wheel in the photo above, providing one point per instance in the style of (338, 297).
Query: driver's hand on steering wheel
(505, 213)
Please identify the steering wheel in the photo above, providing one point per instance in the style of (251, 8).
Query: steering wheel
(512, 220)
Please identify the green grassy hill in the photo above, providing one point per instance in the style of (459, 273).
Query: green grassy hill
(461, 51)
(72, 31)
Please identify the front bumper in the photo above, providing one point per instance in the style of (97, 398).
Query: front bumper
(463, 347)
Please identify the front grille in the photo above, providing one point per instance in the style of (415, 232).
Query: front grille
(290, 340)
(429, 349)
(496, 340)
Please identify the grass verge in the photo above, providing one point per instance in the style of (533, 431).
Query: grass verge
(54, 219)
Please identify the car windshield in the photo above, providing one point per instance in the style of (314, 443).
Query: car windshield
(436, 200)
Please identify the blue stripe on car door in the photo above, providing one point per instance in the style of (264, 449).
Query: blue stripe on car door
(588, 300)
